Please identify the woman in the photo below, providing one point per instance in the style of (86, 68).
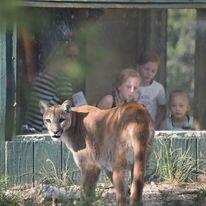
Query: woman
(125, 89)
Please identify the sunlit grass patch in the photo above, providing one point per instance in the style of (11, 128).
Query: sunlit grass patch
(7, 199)
(49, 174)
(174, 165)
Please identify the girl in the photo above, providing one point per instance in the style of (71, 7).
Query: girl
(125, 89)
(179, 118)
(151, 93)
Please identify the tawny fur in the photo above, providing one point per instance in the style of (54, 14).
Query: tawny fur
(116, 140)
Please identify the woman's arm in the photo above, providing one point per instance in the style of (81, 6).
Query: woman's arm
(196, 125)
(105, 102)
(161, 115)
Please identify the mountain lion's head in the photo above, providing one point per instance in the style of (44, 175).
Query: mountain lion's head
(57, 118)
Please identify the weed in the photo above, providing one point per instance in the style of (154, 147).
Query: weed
(49, 174)
(201, 193)
(174, 165)
(6, 200)
(94, 200)
(200, 199)
(3, 182)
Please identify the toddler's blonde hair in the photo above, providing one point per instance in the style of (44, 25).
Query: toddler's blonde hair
(179, 92)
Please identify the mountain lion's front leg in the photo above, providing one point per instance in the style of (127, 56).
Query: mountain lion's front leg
(90, 175)
(118, 181)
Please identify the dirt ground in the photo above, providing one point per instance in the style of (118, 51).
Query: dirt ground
(193, 194)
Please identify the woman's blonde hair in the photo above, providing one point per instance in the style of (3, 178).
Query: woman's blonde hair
(124, 75)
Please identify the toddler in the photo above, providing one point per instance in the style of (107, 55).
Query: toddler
(179, 117)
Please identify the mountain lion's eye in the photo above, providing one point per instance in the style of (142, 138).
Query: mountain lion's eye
(61, 120)
(48, 120)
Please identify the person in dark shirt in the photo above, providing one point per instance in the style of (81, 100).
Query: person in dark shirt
(52, 85)
(125, 89)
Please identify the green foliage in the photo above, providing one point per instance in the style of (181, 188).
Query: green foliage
(181, 49)
(93, 201)
(173, 165)
(9, 10)
(12, 11)
(49, 174)
(3, 182)
(8, 201)
(200, 199)
(4, 199)
(201, 193)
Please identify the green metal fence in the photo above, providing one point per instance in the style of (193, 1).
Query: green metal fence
(27, 155)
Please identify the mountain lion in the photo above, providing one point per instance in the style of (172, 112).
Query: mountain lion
(115, 140)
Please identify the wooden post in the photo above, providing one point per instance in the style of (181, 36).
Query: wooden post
(152, 35)
(121, 36)
(111, 47)
(2, 93)
(11, 82)
(200, 68)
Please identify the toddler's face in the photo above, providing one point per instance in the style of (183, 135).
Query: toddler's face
(128, 89)
(148, 72)
(179, 106)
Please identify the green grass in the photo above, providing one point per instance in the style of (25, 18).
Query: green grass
(97, 200)
(49, 174)
(174, 165)
(201, 197)
(201, 193)
(6, 200)
(2, 183)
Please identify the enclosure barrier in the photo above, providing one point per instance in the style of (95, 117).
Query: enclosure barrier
(27, 155)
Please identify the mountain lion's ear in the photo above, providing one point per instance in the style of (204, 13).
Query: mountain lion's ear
(66, 105)
(43, 106)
